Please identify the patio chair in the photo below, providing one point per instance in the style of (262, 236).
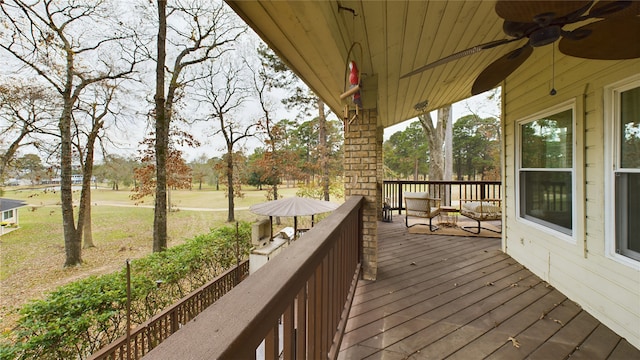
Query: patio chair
(420, 205)
(485, 210)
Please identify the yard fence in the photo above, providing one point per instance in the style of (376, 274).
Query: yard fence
(152, 332)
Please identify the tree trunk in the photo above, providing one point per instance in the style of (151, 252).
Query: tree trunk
(324, 153)
(72, 238)
(444, 116)
(84, 210)
(88, 231)
(162, 137)
(230, 191)
(435, 137)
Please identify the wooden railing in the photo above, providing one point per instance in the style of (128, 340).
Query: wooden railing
(449, 192)
(304, 294)
(154, 331)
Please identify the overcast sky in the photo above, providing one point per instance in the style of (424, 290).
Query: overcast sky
(479, 104)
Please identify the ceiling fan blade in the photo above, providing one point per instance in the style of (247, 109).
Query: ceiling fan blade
(500, 69)
(458, 55)
(610, 39)
(527, 11)
(614, 8)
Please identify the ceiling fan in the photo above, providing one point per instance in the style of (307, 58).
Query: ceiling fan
(612, 34)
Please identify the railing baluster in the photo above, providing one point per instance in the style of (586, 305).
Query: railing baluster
(271, 344)
(312, 313)
(332, 284)
(289, 340)
(301, 324)
(324, 309)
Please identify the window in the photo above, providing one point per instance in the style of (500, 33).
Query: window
(626, 105)
(7, 214)
(546, 170)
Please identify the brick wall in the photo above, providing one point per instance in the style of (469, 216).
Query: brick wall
(363, 176)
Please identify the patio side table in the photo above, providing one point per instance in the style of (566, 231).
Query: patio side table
(448, 216)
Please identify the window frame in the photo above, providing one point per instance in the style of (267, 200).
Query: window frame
(552, 229)
(612, 129)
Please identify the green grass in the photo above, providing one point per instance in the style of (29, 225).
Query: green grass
(32, 257)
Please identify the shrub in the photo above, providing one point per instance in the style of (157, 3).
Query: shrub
(79, 318)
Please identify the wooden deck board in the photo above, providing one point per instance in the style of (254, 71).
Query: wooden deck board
(598, 345)
(453, 297)
(495, 338)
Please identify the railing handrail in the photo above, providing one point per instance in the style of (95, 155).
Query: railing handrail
(236, 324)
(393, 190)
(236, 273)
(452, 182)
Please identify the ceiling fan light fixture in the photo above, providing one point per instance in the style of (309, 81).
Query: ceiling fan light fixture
(545, 36)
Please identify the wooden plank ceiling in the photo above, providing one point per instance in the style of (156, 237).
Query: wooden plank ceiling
(391, 38)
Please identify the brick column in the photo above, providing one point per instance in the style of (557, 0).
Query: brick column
(363, 176)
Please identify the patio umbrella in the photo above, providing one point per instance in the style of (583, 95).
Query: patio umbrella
(293, 206)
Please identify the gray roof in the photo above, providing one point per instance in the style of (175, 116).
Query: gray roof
(8, 204)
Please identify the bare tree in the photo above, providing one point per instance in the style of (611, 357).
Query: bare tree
(89, 122)
(436, 135)
(70, 45)
(323, 150)
(200, 31)
(163, 119)
(26, 111)
(273, 164)
(224, 96)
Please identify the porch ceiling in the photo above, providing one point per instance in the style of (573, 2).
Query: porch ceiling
(314, 38)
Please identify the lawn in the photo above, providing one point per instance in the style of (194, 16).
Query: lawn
(31, 257)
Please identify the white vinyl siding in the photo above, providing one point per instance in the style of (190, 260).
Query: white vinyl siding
(587, 269)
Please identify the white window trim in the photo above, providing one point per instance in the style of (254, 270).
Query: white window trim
(611, 120)
(570, 104)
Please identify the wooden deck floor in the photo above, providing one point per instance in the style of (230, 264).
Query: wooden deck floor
(462, 298)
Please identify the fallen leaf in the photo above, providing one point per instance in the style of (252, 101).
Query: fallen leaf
(558, 321)
(514, 342)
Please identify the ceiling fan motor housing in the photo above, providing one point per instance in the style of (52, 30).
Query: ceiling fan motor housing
(545, 36)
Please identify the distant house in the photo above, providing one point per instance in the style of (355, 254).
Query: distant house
(9, 214)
